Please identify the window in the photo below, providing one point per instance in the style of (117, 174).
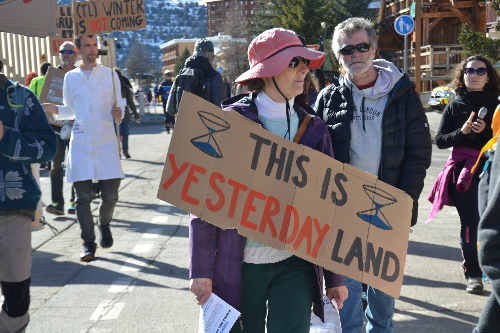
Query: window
(251, 22)
(246, 12)
(251, 12)
(251, 2)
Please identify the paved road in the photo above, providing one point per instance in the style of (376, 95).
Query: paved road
(141, 283)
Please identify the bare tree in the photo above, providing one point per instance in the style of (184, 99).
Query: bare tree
(235, 26)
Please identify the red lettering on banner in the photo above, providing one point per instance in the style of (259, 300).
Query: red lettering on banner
(249, 207)
(176, 172)
(305, 232)
(191, 178)
(270, 211)
(213, 178)
(237, 187)
(104, 19)
(321, 236)
(286, 222)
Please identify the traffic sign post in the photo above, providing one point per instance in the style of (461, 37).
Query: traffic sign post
(404, 25)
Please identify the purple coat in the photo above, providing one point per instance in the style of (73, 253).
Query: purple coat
(218, 254)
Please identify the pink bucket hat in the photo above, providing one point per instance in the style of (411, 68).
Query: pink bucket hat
(270, 53)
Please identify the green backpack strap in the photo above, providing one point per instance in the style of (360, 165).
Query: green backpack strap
(19, 97)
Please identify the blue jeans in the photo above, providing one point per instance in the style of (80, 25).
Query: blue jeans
(379, 311)
(125, 132)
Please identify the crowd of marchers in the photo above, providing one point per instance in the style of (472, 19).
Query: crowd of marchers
(370, 117)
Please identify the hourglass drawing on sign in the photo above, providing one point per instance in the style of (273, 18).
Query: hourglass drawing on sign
(206, 143)
(380, 199)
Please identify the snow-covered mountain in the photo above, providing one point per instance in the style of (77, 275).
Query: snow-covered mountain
(165, 20)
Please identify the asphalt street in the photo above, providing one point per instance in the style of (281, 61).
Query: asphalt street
(141, 283)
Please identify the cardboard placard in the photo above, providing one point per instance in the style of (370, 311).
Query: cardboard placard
(105, 16)
(28, 17)
(52, 92)
(232, 173)
(64, 23)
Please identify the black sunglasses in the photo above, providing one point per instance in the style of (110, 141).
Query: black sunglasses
(295, 62)
(471, 71)
(67, 51)
(349, 49)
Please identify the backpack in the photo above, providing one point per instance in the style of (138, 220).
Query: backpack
(194, 81)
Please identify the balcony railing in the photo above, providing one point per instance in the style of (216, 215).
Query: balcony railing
(436, 61)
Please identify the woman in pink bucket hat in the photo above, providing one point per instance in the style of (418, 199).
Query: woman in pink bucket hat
(241, 271)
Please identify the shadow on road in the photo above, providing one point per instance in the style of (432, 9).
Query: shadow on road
(434, 251)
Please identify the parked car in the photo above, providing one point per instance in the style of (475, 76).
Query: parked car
(440, 97)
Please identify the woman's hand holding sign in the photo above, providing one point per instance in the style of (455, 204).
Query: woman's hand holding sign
(202, 288)
(339, 293)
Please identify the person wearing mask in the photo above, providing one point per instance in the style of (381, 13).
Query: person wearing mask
(224, 262)
(36, 84)
(377, 123)
(25, 138)
(90, 94)
(128, 99)
(477, 85)
(67, 55)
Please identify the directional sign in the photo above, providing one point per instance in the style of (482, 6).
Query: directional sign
(404, 25)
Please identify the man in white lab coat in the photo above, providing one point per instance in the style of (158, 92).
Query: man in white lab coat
(93, 152)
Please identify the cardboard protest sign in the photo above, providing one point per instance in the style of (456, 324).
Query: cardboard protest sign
(64, 24)
(104, 16)
(52, 92)
(232, 173)
(28, 17)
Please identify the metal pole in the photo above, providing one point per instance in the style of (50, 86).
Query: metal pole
(406, 55)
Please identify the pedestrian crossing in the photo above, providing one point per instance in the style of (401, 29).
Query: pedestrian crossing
(145, 267)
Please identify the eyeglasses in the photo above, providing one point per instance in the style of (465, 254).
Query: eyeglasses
(349, 49)
(67, 51)
(295, 62)
(471, 71)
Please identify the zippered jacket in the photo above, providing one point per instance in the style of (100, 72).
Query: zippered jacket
(28, 138)
(406, 140)
(218, 254)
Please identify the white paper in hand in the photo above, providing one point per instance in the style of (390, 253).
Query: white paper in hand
(216, 316)
(332, 319)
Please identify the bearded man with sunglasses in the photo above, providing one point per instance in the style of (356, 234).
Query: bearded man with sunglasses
(376, 123)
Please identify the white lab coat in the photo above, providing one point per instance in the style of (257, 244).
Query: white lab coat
(93, 152)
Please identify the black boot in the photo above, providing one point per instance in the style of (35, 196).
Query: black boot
(125, 153)
(106, 237)
(88, 252)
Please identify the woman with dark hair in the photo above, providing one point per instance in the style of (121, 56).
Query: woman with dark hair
(244, 272)
(477, 85)
(126, 89)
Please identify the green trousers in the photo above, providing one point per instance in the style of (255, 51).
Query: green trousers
(288, 286)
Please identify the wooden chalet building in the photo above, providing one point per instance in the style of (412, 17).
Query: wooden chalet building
(433, 46)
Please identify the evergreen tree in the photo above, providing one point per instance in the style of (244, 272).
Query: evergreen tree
(305, 16)
(179, 65)
(345, 9)
(475, 43)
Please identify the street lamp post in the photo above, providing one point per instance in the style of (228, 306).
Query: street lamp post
(322, 41)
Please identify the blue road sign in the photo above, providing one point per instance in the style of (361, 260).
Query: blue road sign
(219, 69)
(404, 24)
